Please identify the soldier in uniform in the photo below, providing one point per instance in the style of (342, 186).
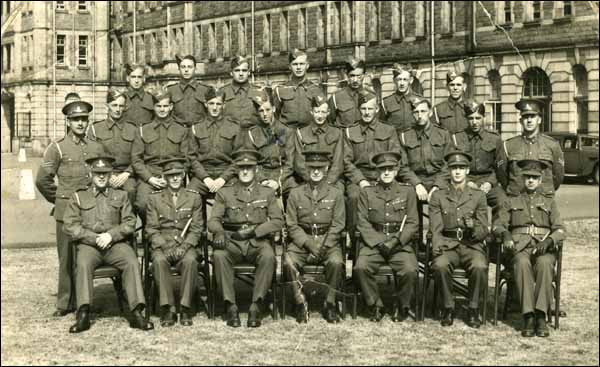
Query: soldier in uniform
(140, 106)
(450, 114)
(387, 221)
(243, 218)
(396, 109)
(343, 104)
(315, 221)
(424, 147)
(319, 135)
(100, 221)
(66, 160)
(530, 227)
(173, 227)
(361, 142)
(239, 94)
(531, 144)
(481, 145)
(459, 224)
(187, 95)
(164, 137)
(116, 136)
(213, 142)
(293, 99)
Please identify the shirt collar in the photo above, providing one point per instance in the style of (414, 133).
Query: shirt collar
(237, 87)
(315, 128)
(401, 96)
(132, 93)
(454, 103)
(77, 140)
(424, 131)
(104, 192)
(112, 123)
(183, 84)
(364, 127)
(298, 83)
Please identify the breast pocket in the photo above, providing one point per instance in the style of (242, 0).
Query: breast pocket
(518, 216)
(184, 214)
(259, 212)
(399, 207)
(176, 136)
(71, 166)
(285, 94)
(226, 144)
(115, 212)
(542, 214)
(201, 136)
(438, 147)
(234, 214)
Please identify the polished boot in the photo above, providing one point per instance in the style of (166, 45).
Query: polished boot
(138, 321)
(233, 316)
(302, 313)
(528, 325)
(400, 313)
(376, 313)
(447, 317)
(541, 327)
(186, 316)
(83, 320)
(167, 318)
(473, 318)
(331, 314)
(254, 316)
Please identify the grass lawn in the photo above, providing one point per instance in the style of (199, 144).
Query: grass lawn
(31, 336)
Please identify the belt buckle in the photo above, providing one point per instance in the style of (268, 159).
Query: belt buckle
(386, 229)
(459, 234)
(531, 230)
(245, 225)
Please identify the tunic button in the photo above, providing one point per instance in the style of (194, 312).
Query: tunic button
(315, 214)
(175, 220)
(387, 214)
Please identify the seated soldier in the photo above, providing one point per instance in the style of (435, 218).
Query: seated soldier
(243, 217)
(387, 221)
(100, 221)
(173, 227)
(315, 220)
(531, 227)
(458, 217)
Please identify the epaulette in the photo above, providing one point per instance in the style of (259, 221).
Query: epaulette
(514, 137)
(180, 121)
(171, 84)
(97, 122)
(493, 132)
(439, 126)
(157, 191)
(404, 184)
(548, 137)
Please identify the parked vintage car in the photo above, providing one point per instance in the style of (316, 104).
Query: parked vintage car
(581, 154)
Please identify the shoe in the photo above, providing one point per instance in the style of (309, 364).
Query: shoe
(233, 317)
(139, 322)
(528, 330)
(254, 316)
(168, 318)
(331, 314)
(400, 314)
(541, 328)
(473, 318)
(376, 313)
(301, 313)
(186, 317)
(61, 313)
(447, 317)
(83, 320)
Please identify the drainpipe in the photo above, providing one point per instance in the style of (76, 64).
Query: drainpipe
(432, 36)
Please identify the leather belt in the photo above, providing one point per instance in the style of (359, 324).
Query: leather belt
(235, 227)
(531, 230)
(315, 229)
(387, 228)
(457, 233)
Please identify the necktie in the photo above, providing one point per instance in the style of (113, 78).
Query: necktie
(174, 198)
(315, 193)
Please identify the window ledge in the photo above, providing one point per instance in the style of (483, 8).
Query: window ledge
(532, 23)
(563, 20)
(505, 26)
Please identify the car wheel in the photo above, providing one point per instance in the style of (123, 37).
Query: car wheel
(596, 179)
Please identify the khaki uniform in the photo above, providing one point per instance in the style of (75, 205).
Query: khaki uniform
(188, 101)
(448, 210)
(165, 223)
(293, 102)
(530, 218)
(396, 110)
(153, 143)
(238, 207)
(381, 212)
(424, 151)
(543, 148)
(89, 213)
(140, 107)
(213, 142)
(321, 219)
(345, 111)
(117, 139)
(238, 103)
(64, 159)
(451, 115)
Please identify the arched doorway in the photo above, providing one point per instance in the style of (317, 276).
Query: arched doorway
(580, 75)
(536, 84)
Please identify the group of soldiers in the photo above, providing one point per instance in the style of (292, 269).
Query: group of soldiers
(353, 162)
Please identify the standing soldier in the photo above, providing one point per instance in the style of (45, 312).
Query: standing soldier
(140, 106)
(450, 114)
(212, 143)
(188, 94)
(243, 218)
(315, 221)
(343, 104)
(174, 224)
(116, 136)
(164, 137)
(361, 142)
(66, 160)
(293, 99)
(100, 221)
(387, 221)
(239, 94)
(459, 224)
(531, 144)
(481, 145)
(424, 147)
(531, 228)
(319, 135)
(396, 108)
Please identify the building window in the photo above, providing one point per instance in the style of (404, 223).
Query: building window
(580, 75)
(567, 8)
(447, 17)
(335, 21)
(212, 42)
(61, 40)
(7, 58)
(536, 84)
(82, 54)
(266, 34)
(346, 22)
(82, 5)
(397, 20)
(153, 48)
(507, 11)
(373, 20)
(242, 36)
(284, 31)
(198, 42)
(60, 5)
(494, 111)
(321, 21)
(420, 18)
(302, 28)
(537, 10)
(226, 38)
(25, 51)
(23, 125)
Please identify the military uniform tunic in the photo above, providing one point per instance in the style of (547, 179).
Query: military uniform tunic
(293, 102)
(238, 207)
(92, 212)
(451, 115)
(320, 219)
(64, 159)
(238, 103)
(188, 100)
(455, 245)
(140, 107)
(165, 224)
(381, 212)
(396, 110)
(344, 108)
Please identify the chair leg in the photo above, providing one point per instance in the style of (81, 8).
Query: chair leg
(283, 300)
(485, 298)
(274, 291)
(507, 300)
(434, 305)
(497, 291)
